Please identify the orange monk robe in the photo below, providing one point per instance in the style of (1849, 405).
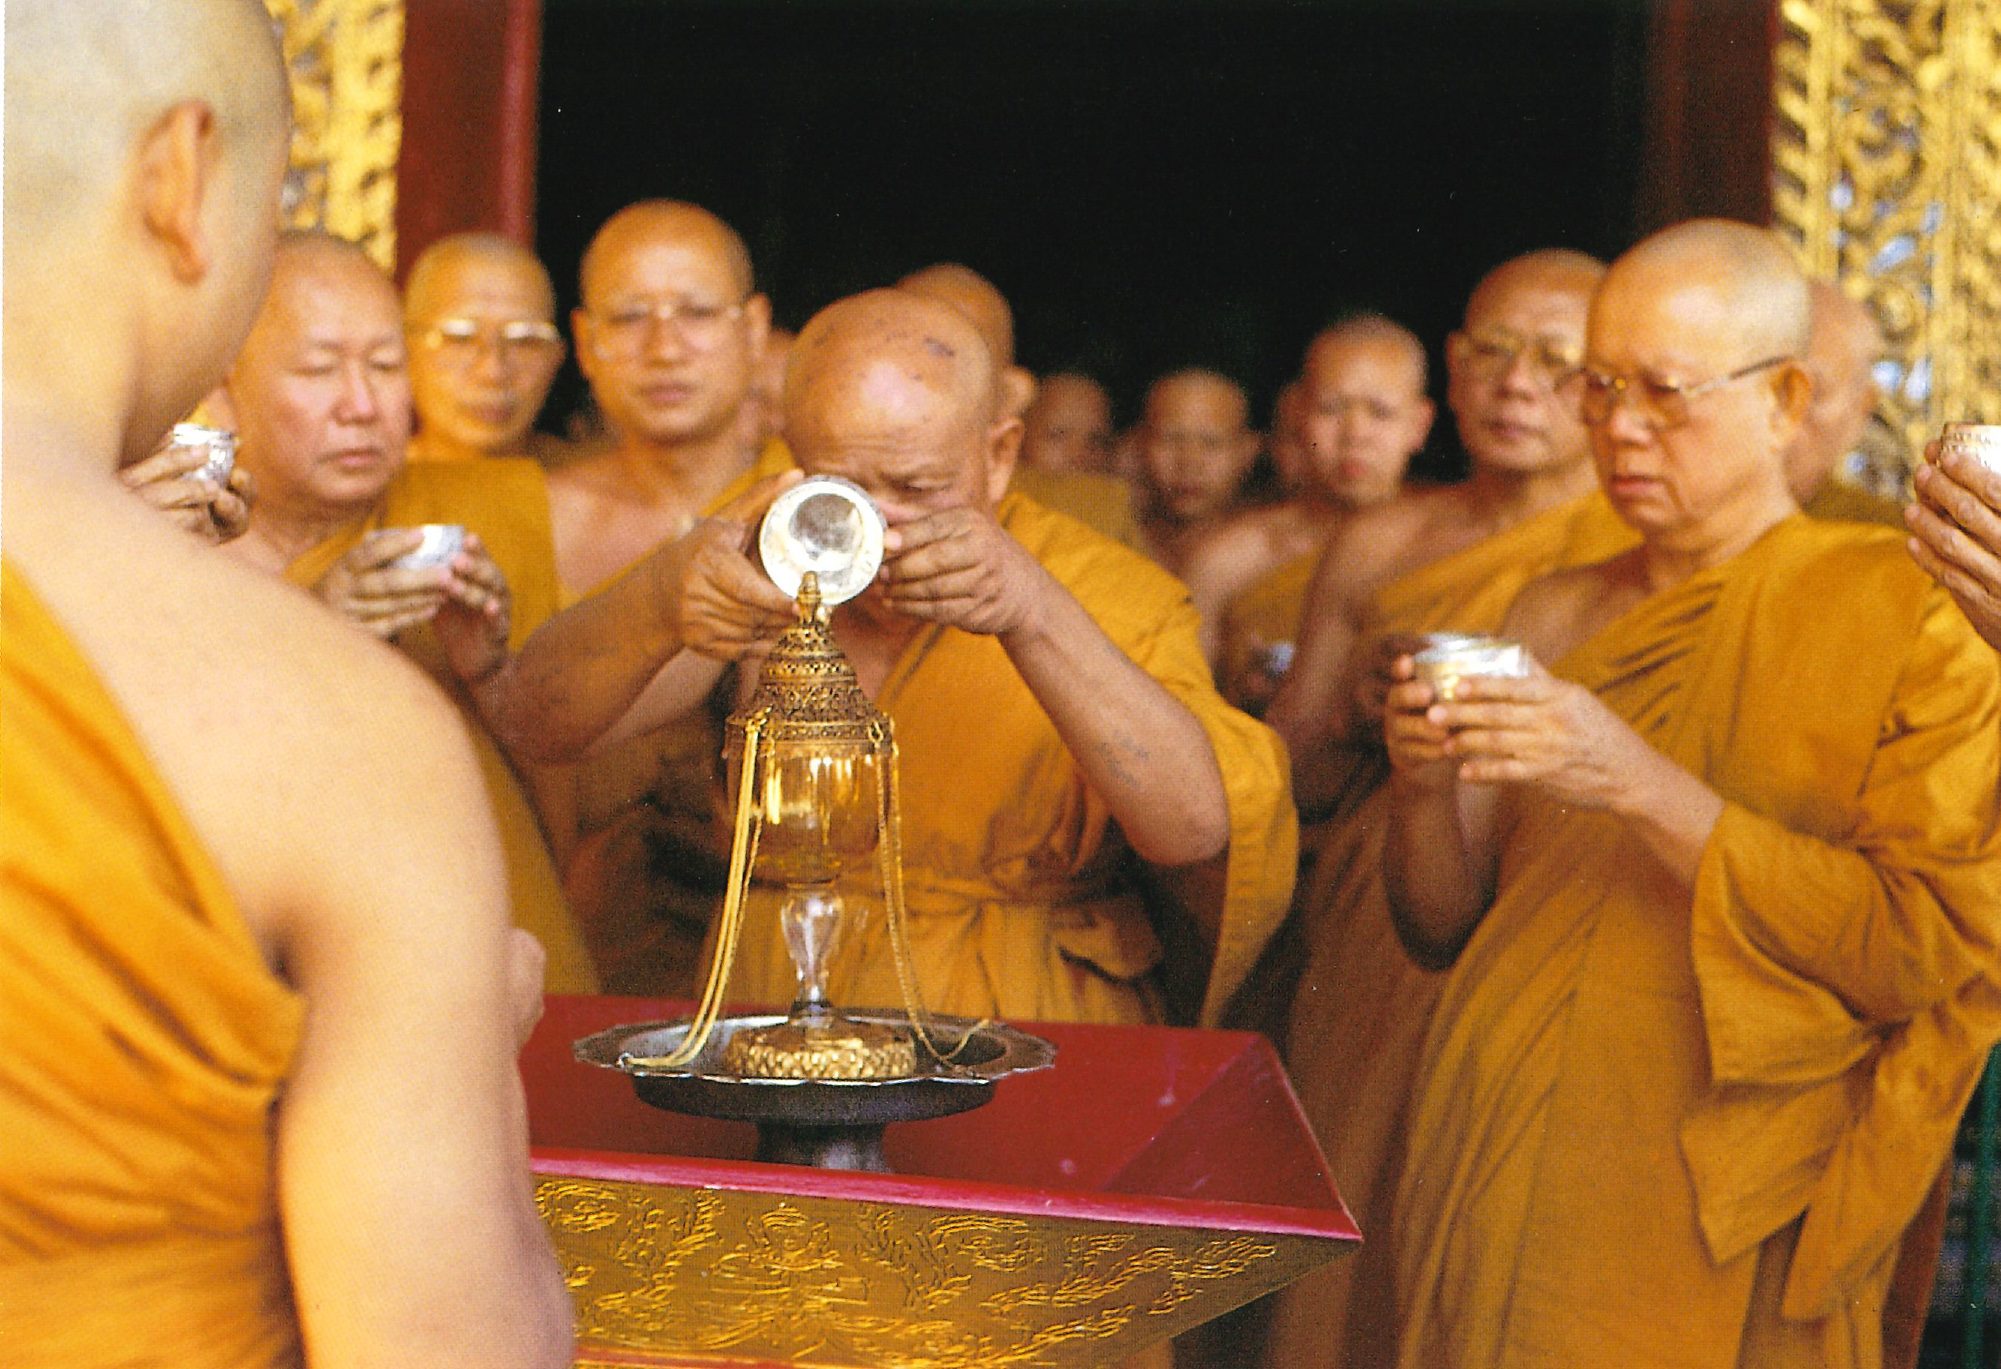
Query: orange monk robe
(1841, 502)
(1103, 503)
(1264, 615)
(1362, 1006)
(143, 1041)
(1023, 897)
(651, 858)
(506, 502)
(1657, 1126)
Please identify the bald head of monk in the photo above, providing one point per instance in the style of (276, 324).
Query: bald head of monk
(1844, 343)
(1367, 413)
(1693, 389)
(671, 326)
(1195, 445)
(981, 301)
(1069, 426)
(479, 315)
(897, 393)
(112, 111)
(320, 394)
(1514, 365)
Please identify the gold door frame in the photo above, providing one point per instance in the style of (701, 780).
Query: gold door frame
(1886, 158)
(346, 63)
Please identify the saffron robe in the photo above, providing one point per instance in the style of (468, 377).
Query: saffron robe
(1657, 1126)
(653, 847)
(143, 1041)
(506, 502)
(1024, 901)
(1264, 615)
(1103, 503)
(1362, 1005)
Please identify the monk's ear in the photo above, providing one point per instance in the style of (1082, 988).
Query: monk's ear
(580, 332)
(1003, 450)
(177, 165)
(757, 318)
(1792, 392)
(1423, 414)
(1017, 391)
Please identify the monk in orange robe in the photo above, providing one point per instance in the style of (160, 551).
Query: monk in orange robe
(1717, 891)
(222, 1147)
(1101, 745)
(339, 505)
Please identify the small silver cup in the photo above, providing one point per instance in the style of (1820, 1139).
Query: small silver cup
(828, 526)
(1980, 441)
(218, 443)
(441, 545)
(1463, 657)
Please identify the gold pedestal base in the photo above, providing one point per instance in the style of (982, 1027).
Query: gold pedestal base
(838, 1049)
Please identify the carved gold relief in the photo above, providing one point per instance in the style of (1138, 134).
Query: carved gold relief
(704, 1272)
(1887, 168)
(346, 61)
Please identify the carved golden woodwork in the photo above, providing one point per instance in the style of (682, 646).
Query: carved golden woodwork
(346, 61)
(1886, 156)
(767, 1276)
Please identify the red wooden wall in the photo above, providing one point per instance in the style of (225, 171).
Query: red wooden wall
(1708, 112)
(470, 91)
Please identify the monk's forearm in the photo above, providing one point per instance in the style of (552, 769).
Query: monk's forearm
(1140, 748)
(582, 670)
(1437, 890)
(1672, 811)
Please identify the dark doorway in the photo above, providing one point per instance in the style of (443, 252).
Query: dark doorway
(1153, 184)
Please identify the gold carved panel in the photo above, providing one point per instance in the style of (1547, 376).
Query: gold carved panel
(346, 60)
(1887, 172)
(660, 1274)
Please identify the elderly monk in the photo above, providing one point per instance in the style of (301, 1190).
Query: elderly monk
(1719, 890)
(479, 319)
(221, 1149)
(1841, 354)
(1451, 558)
(321, 398)
(1366, 417)
(1195, 445)
(1101, 742)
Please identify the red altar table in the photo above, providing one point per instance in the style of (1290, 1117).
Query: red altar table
(1154, 1179)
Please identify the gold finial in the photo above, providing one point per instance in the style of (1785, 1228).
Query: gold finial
(810, 608)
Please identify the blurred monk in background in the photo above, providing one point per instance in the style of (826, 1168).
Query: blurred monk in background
(1195, 445)
(320, 397)
(247, 862)
(1366, 416)
(479, 321)
(1449, 559)
(1068, 427)
(1717, 891)
(1841, 355)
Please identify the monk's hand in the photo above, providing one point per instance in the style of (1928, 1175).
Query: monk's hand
(1373, 674)
(716, 599)
(1956, 534)
(1542, 731)
(958, 566)
(476, 616)
(1415, 740)
(367, 586)
(169, 481)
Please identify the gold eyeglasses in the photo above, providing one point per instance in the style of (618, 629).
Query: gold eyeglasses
(1662, 405)
(624, 331)
(459, 341)
(1493, 353)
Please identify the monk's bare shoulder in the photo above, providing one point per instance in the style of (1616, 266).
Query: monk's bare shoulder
(1559, 611)
(286, 735)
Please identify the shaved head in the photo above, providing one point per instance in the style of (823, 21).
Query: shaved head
(1749, 274)
(1512, 370)
(1553, 270)
(892, 350)
(85, 78)
(973, 295)
(653, 221)
(432, 285)
(1377, 330)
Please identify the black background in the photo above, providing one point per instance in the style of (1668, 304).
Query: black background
(1152, 184)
